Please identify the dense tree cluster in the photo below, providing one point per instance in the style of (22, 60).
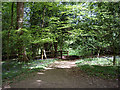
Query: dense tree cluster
(29, 28)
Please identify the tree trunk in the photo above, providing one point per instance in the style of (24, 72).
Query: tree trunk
(55, 47)
(98, 55)
(43, 17)
(114, 55)
(41, 53)
(43, 27)
(61, 54)
(20, 14)
(8, 50)
(24, 54)
(12, 15)
(45, 54)
(61, 46)
(45, 49)
(114, 59)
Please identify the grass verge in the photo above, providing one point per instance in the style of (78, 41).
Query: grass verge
(13, 69)
(100, 67)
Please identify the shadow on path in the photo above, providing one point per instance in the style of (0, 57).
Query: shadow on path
(63, 74)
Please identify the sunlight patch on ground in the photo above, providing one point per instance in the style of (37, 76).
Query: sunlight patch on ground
(39, 81)
(63, 64)
(40, 73)
(47, 68)
(36, 67)
(7, 86)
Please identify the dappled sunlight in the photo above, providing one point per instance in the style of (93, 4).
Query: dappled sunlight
(63, 64)
(12, 69)
(40, 73)
(64, 73)
(36, 83)
(47, 68)
(35, 67)
(101, 71)
(102, 61)
(63, 78)
(102, 67)
(6, 86)
(39, 81)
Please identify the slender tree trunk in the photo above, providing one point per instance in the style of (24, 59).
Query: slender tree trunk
(12, 15)
(114, 59)
(98, 53)
(43, 27)
(61, 54)
(8, 50)
(114, 51)
(45, 49)
(45, 54)
(24, 54)
(61, 46)
(42, 53)
(55, 47)
(114, 55)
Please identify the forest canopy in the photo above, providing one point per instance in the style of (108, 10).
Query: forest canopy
(82, 28)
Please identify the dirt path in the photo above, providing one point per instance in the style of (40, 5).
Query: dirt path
(63, 74)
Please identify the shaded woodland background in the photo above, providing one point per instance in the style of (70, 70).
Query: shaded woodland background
(29, 29)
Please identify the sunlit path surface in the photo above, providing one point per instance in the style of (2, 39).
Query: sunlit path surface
(63, 74)
(63, 64)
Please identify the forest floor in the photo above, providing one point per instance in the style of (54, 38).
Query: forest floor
(63, 74)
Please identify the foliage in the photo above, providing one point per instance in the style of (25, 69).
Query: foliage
(96, 29)
(84, 29)
(87, 28)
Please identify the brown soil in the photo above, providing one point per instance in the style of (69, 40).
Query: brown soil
(63, 74)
